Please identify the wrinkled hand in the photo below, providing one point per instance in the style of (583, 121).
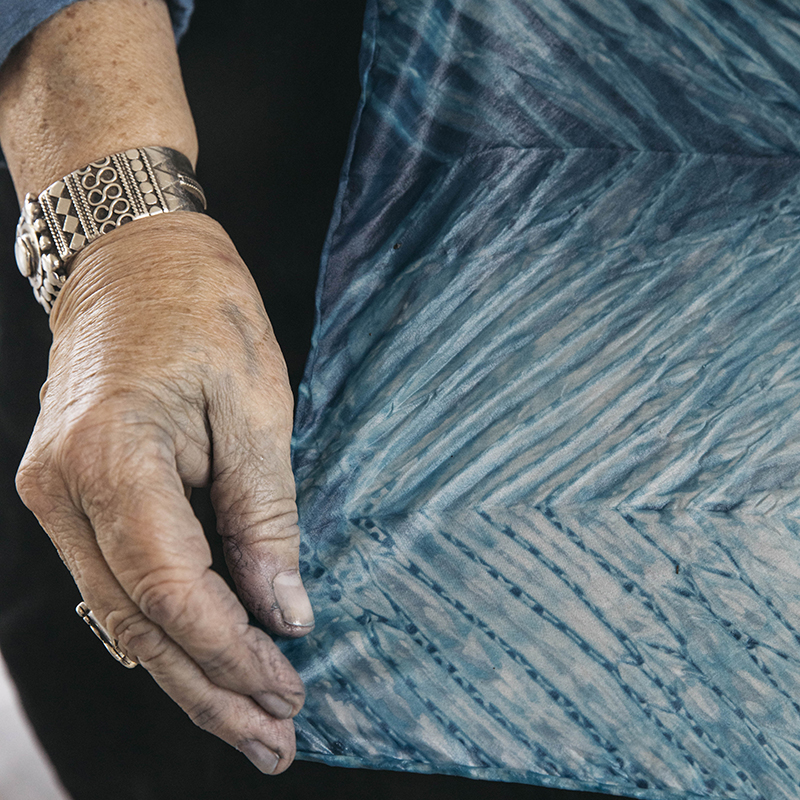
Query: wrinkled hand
(165, 375)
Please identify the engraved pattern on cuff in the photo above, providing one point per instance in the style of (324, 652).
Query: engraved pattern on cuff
(95, 200)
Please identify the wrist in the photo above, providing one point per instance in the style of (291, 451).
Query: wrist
(172, 265)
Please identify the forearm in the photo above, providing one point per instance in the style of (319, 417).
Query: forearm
(99, 77)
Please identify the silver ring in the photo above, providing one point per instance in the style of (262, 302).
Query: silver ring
(85, 613)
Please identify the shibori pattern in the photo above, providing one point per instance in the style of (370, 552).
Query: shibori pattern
(100, 197)
(547, 448)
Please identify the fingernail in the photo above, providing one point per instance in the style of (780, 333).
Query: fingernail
(274, 705)
(261, 756)
(293, 600)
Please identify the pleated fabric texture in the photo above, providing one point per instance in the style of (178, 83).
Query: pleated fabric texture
(547, 445)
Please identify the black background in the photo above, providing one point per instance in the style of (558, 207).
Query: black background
(273, 86)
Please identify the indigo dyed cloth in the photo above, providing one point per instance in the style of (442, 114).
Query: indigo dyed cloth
(547, 444)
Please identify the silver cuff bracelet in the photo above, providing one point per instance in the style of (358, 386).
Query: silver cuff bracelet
(94, 200)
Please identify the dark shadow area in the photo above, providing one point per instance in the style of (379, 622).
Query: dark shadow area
(273, 87)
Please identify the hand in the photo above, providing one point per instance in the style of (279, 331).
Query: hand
(165, 375)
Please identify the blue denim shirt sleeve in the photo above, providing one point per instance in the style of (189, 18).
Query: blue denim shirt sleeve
(19, 17)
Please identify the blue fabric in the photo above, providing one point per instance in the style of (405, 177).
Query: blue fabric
(19, 17)
(547, 444)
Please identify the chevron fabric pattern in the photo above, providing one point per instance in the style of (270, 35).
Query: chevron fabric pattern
(548, 441)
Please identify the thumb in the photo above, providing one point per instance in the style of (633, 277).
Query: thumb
(253, 493)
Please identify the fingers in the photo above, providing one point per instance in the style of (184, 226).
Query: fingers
(158, 554)
(157, 550)
(230, 715)
(254, 497)
(233, 717)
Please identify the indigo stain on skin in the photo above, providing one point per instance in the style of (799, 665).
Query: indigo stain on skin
(240, 324)
(547, 451)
